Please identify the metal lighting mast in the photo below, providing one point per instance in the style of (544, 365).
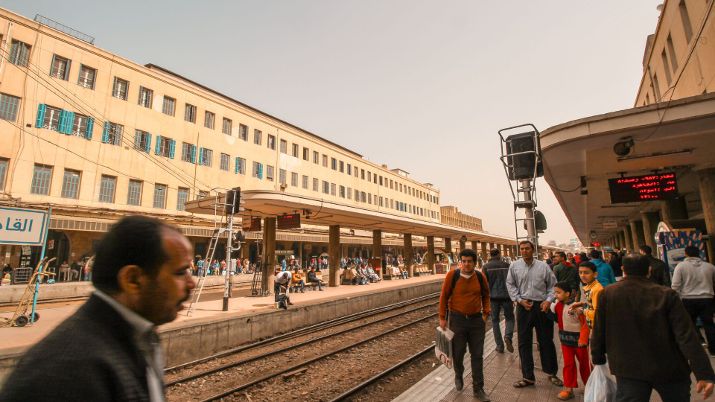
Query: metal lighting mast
(521, 157)
(232, 206)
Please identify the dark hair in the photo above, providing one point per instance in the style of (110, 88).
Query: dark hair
(646, 249)
(134, 240)
(468, 252)
(595, 254)
(565, 286)
(494, 252)
(589, 265)
(636, 265)
(692, 251)
(583, 256)
(527, 242)
(561, 254)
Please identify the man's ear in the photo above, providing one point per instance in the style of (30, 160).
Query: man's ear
(129, 279)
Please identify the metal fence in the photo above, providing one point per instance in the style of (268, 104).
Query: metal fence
(64, 28)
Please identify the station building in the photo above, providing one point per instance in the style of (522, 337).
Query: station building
(97, 137)
(671, 129)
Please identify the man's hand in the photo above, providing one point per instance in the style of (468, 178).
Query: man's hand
(706, 387)
(527, 304)
(443, 323)
(545, 306)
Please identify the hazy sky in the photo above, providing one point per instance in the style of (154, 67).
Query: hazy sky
(419, 85)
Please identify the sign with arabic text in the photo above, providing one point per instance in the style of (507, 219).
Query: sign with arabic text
(643, 188)
(22, 226)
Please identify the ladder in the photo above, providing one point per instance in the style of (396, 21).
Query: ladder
(213, 243)
(257, 283)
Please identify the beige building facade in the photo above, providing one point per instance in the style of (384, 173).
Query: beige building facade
(450, 215)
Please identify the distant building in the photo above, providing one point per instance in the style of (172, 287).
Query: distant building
(450, 215)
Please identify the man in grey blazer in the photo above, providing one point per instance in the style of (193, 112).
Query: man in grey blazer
(109, 350)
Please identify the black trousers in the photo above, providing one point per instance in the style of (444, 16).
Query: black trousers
(468, 331)
(703, 309)
(630, 390)
(526, 321)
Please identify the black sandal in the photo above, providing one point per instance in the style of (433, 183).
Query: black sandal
(523, 383)
(556, 380)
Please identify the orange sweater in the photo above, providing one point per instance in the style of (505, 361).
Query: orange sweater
(467, 297)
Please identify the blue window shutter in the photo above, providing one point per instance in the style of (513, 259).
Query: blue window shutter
(90, 128)
(148, 143)
(201, 156)
(105, 133)
(157, 145)
(69, 123)
(235, 168)
(63, 122)
(172, 148)
(260, 170)
(40, 115)
(193, 154)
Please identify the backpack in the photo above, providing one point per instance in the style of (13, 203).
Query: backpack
(455, 278)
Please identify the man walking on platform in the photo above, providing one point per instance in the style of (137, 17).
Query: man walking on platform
(605, 272)
(659, 271)
(464, 305)
(531, 284)
(496, 271)
(109, 349)
(644, 330)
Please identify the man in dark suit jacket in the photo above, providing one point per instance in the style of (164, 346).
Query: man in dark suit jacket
(649, 339)
(109, 350)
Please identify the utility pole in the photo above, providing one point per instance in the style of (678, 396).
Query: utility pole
(232, 206)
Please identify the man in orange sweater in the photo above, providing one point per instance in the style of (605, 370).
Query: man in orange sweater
(465, 303)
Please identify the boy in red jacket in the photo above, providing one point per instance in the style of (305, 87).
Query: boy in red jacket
(573, 333)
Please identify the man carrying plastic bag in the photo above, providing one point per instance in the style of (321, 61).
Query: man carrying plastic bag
(649, 339)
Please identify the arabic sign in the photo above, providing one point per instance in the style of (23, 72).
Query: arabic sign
(643, 188)
(22, 226)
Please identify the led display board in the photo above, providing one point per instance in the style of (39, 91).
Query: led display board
(651, 187)
(289, 221)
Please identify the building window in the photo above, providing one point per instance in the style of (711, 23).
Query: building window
(107, 188)
(666, 67)
(325, 160)
(294, 179)
(296, 150)
(316, 184)
(51, 118)
(169, 106)
(257, 137)
(225, 162)
(332, 188)
(349, 193)
(190, 113)
(3, 172)
(342, 192)
(227, 126)
(181, 197)
(269, 172)
(257, 170)
(333, 163)
(70, 184)
(209, 119)
(87, 76)
(362, 174)
(188, 152)
(142, 140)
(326, 187)
(369, 198)
(19, 53)
(206, 157)
(60, 67)
(671, 53)
(80, 125)
(134, 194)
(356, 172)
(316, 157)
(350, 170)
(284, 147)
(304, 181)
(112, 133)
(8, 107)
(243, 132)
(685, 18)
(342, 167)
(240, 166)
(369, 177)
(271, 142)
(160, 196)
(145, 97)
(656, 87)
(164, 146)
(282, 176)
(120, 89)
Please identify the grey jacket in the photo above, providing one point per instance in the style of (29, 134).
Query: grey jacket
(496, 271)
(693, 279)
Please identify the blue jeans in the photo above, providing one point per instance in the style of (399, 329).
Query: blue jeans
(497, 306)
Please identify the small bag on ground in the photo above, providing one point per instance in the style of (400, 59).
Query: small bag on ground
(600, 387)
(443, 346)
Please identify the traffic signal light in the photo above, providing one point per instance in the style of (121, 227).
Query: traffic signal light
(233, 201)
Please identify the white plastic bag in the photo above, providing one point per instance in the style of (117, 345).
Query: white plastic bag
(600, 386)
(443, 346)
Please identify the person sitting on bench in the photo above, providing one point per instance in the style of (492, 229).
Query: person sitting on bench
(314, 280)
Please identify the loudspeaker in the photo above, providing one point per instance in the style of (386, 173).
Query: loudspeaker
(233, 201)
(522, 166)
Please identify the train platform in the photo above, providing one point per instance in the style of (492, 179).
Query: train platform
(501, 370)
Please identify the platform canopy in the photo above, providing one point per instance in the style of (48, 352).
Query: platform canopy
(316, 211)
